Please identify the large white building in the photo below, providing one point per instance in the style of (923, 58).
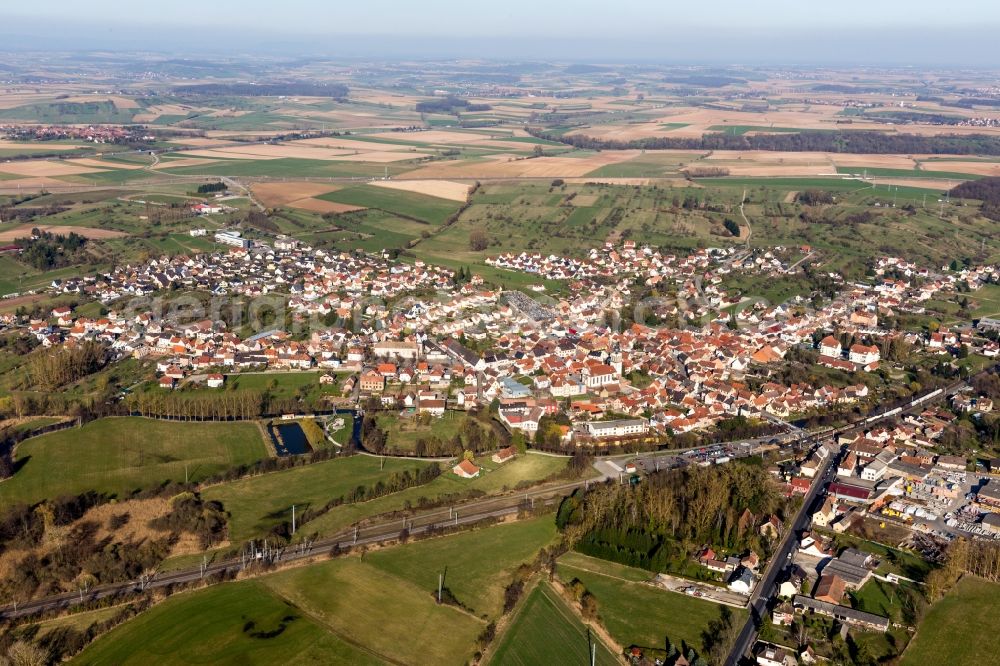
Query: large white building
(231, 238)
(616, 428)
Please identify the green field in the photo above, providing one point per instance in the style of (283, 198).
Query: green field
(233, 623)
(390, 616)
(960, 628)
(119, 455)
(258, 503)
(907, 173)
(493, 479)
(546, 631)
(432, 210)
(476, 581)
(636, 613)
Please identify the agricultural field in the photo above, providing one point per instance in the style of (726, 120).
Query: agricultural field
(257, 503)
(119, 455)
(959, 627)
(637, 613)
(476, 581)
(391, 617)
(546, 631)
(241, 622)
(424, 208)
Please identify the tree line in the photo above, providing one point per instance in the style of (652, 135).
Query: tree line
(843, 141)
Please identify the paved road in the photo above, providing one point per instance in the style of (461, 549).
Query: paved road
(766, 588)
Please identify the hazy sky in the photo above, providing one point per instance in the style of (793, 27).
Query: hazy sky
(923, 31)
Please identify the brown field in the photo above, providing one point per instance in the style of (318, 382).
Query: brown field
(38, 183)
(278, 151)
(280, 194)
(380, 157)
(351, 144)
(444, 189)
(449, 138)
(41, 145)
(227, 154)
(198, 141)
(975, 168)
(44, 168)
(321, 206)
(540, 167)
(101, 164)
(118, 101)
(927, 183)
(24, 230)
(13, 100)
(184, 162)
(585, 200)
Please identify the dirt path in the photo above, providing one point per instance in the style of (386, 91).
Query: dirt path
(745, 220)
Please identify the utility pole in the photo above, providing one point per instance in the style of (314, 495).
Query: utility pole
(440, 584)
(293, 519)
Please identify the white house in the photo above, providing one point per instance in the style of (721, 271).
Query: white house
(864, 354)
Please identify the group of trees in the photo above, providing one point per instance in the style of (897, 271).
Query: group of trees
(46, 251)
(208, 188)
(479, 240)
(450, 105)
(815, 197)
(221, 406)
(644, 525)
(48, 369)
(851, 141)
(986, 190)
(964, 556)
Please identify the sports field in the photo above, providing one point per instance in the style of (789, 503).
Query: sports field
(546, 631)
(119, 455)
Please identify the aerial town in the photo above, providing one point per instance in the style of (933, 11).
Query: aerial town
(404, 337)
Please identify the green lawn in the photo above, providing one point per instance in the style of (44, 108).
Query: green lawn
(280, 384)
(258, 503)
(636, 613)
(960, 628)
(388, 615)
(118, 455)
(493, 479)
(546, 631)
(234, 623)
(477, 565)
